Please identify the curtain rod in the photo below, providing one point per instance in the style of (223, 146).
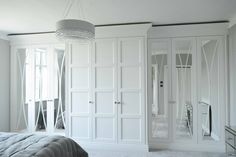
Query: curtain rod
(135, 23)
(103, 25)
(31, 33)
(191, 23)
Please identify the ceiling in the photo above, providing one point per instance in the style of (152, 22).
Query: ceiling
(22, 16)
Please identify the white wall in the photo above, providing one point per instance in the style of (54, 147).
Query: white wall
(4, 85)
(232, 61)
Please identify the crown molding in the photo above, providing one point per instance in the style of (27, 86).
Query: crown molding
(232, 21)
(3, 36)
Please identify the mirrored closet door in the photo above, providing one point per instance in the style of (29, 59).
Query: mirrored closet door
(188, 85)
(38, 93)
(160, 74)
(211, 94)
(22, 101)
(184, 88)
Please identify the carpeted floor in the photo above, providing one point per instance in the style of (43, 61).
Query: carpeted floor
(153, 154)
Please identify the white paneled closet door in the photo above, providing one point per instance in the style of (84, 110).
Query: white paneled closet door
(80, 115)
(131, 90)
(106, 87)
(104, 91)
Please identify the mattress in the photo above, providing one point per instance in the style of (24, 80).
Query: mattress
(31, 145)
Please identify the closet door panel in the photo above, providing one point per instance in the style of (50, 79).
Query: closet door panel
(80, 102)
(211, 95)
(80, 54)
(80, 77)
(131, 90)
(105, 51)
(160, 109)
(104, 77)
(105, 129)
(80, 127)
(103, 102)
(130, 51)
(131, 77)
(80, 121)
(22, 103)
(104, 90)
(184, 88)
(131, 103)
(131, 130)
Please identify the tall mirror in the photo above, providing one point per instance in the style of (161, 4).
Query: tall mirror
(183, 70)
(210, 89)
(160, 113)
(59, 89)
(23, 97)
(41, 88)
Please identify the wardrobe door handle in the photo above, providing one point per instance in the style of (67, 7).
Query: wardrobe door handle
(90, 102)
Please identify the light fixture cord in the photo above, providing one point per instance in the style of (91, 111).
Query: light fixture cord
(80, 10)
(68, 8)
(79, 6)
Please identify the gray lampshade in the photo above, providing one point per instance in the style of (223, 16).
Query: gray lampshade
(73, 29)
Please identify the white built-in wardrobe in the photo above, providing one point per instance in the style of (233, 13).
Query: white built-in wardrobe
(133, 87)
(106, 90)
(187, 86)
(107, 85)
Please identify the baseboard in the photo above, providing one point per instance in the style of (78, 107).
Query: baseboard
(113, 146)
(188, 147)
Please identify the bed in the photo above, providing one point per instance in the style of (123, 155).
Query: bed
(32, 145)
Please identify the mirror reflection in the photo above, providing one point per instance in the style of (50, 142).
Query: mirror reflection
(184, 105)
(160, 115)
(40, 89)
(23, 97)
(210, 87)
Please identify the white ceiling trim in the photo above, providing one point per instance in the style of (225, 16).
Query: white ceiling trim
(232, 21)
(3, 36)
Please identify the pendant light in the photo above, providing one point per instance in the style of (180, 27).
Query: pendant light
(74, 29)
